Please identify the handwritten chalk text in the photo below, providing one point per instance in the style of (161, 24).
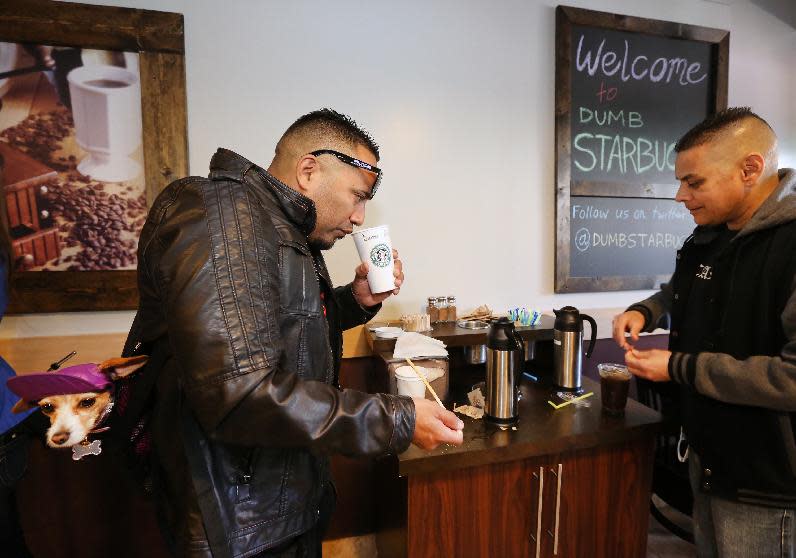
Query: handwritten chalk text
(620, 152)
(637, 240)
(636, 66)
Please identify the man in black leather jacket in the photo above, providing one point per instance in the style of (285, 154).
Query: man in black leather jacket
(237, 306)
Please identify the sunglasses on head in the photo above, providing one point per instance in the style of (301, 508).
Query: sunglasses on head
(347, 159)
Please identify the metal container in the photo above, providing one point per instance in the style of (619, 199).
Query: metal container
(475, 354)
(568, 347)
(503, 370)
(528, 350)
(472, 324)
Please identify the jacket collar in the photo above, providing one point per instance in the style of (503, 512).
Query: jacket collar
(297, 207)
(704, 234)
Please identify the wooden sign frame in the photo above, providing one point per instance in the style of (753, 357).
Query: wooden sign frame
(566, 17)
(158, 38)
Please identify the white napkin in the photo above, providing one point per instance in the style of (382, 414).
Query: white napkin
(469, 411)
(476, 398)
(415, 345)
(476, 407)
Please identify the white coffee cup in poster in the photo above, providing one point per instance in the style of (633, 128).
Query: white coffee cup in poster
(106, 108)
(375, 248)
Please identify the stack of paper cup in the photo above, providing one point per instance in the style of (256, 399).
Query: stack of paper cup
(407, 382)
(375, 248)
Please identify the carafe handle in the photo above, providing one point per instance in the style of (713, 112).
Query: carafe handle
(518, 339)
(593, 333)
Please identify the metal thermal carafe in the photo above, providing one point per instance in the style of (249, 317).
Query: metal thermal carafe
(568, 347)
(503, 371)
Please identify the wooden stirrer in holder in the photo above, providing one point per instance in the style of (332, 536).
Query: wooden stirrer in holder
(425, 381)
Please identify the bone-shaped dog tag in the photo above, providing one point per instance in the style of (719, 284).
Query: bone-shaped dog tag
(81, 450)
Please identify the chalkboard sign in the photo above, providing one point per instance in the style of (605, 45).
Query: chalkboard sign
(637, 235)
(633, 96)
(626, 90)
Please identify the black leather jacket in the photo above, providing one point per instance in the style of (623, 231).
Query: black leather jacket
(227, 277)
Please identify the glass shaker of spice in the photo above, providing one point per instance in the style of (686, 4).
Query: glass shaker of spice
(432, 310)
(451, 308)
(442, 304)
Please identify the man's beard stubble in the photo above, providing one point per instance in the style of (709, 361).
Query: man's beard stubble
(320, 244)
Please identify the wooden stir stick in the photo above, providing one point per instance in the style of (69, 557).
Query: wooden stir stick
(423, 377)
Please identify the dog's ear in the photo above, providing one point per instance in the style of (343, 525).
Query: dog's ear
(21, 406)
(117, 368)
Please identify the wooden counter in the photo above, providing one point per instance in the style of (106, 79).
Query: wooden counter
(568, 482)
(455, 336)
(542, 430)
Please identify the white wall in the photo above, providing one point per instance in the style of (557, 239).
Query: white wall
(460, 96)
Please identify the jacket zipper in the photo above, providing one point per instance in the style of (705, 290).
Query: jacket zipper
(330, 361)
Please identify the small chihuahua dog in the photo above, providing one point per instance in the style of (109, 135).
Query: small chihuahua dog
(77, 400)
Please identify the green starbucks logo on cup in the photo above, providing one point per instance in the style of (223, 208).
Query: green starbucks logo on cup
(380, 255)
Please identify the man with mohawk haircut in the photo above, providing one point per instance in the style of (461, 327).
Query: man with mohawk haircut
(732, 304)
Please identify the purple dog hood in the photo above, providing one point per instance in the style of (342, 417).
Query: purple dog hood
(74, 379)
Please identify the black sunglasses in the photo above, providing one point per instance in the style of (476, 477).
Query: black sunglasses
(347, 159)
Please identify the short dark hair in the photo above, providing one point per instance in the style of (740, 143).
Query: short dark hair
(328, 123)
(713, 125)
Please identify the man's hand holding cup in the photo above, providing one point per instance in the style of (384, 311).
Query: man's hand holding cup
(381, 272)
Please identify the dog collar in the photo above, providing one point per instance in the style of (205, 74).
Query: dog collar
(103, 417)
(84, 448)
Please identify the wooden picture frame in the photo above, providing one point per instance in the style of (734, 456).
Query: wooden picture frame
(601, 189)
(158, 39)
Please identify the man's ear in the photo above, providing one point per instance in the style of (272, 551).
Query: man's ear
(21, 406)
(752, 168)
(117, 368)
(308, 173)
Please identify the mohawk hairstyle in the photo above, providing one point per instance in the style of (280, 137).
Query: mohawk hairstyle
(713, 125)
(327, 123)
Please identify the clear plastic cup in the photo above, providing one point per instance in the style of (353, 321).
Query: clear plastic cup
(614, 385)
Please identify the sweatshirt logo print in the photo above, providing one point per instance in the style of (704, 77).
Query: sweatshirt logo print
(705, 272)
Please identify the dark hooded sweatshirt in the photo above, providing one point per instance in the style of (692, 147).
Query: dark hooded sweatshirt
(732, 304)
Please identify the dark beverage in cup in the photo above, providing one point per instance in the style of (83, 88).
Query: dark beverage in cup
(614, 384)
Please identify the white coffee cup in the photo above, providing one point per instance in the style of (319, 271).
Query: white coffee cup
(375, 248)
(106, 108)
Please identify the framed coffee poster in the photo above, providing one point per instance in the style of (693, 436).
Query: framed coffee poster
(627, 89)
(92, 127)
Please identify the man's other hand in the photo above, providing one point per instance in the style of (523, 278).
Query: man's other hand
(631, 322)
(652, 364)
(435, 425)
(361, 289)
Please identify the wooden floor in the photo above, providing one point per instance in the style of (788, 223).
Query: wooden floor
(660, 543)
(353, 547)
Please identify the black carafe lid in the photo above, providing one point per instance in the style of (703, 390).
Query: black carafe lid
(503, 337)
(568, 319)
